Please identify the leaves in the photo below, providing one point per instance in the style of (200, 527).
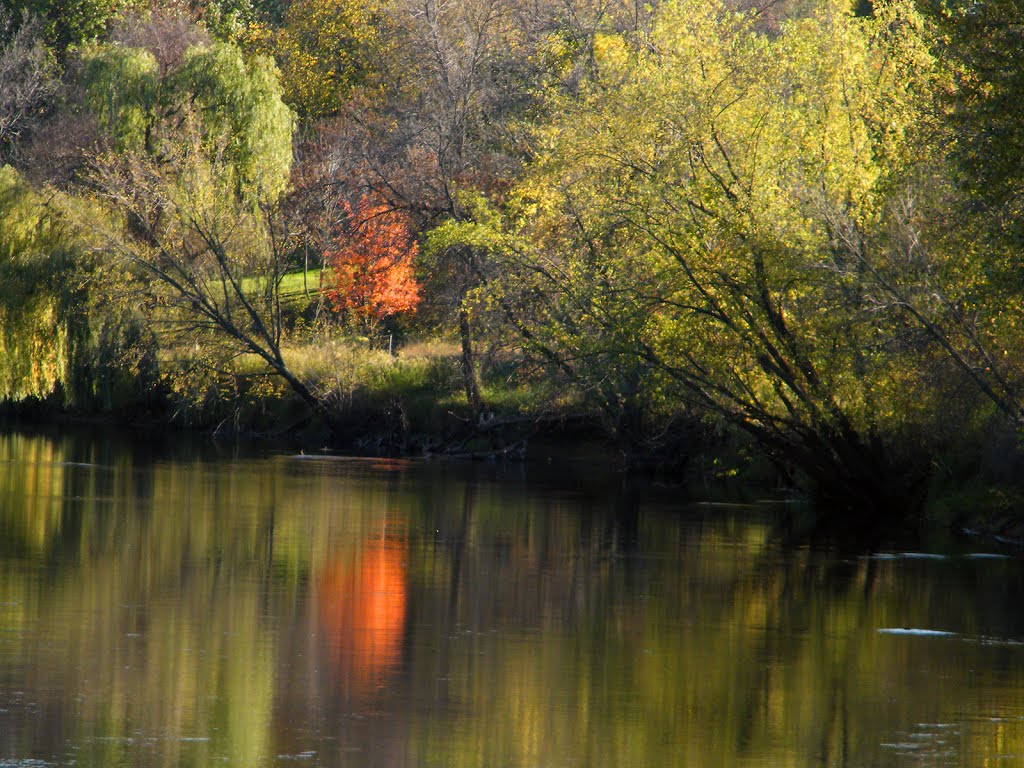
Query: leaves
(676, 239)
(326, 50)
(236, 103)
(372, 272)
(243, 101)
(121, 88)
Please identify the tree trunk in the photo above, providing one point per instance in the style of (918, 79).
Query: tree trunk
(469, 377)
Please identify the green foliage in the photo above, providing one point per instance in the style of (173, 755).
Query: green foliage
(121, 90)
(199, 156)
(235, 104)
(981, 43)
(62, 332)
(228, 19)
(69, 23)
(241, 100)
(680, 236)
(481, 228)
(198, 227)
(33, 345)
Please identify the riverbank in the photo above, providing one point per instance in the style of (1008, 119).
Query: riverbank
(415, 423)
(410, 401)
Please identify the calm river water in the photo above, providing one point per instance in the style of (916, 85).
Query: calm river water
(169, 606)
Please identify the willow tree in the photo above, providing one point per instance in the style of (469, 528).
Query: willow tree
(56, 341)
(198, 157)
(234, 104)
(676, 240)
(33, 348)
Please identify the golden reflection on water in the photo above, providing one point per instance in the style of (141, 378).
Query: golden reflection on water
(220, 610)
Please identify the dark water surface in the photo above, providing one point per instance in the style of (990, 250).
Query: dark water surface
(162, 606)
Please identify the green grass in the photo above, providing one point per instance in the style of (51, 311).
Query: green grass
(298, 290)
(291, 282)
(294, 284)
(337, 368)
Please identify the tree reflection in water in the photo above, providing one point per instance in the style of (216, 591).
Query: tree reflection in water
(362, 611)
(217, 610)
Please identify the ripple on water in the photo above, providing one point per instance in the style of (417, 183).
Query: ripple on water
(915, 632)
(933, 744)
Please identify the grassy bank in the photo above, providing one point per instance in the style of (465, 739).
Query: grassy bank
(409, 400)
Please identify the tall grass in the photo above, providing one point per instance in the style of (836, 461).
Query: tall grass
(415, 395)
(339, 369)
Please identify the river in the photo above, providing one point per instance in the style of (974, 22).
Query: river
(165, 604)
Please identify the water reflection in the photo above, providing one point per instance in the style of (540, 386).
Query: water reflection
(167, 608)
(362, 607)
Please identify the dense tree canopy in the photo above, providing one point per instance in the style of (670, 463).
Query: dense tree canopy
(703, 227)
(982, 42)
(235, 104)
(68, 23)
(797, 221)
(326, 49)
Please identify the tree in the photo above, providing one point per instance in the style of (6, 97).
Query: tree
(165, 34)
(211, 259)
(473, 74)
(234, 103)
(326, 49)
(673, 241)
(69, 23)
(978, 226)
(454, 76)
(63, 335)
(982, 42)
(371, 274)
(34, 252)
(28, 80)
(199, 158)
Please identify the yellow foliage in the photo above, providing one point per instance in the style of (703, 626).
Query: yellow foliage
(325, 51)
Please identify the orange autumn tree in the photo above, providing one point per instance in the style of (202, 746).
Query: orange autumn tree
(371, 273)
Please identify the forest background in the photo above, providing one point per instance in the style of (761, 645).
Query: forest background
(787, 232)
